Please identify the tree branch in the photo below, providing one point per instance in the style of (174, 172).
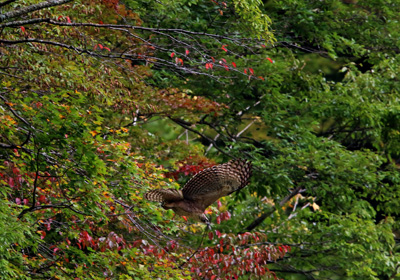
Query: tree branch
(260, 219)
(31, 8)
(6, 3)
(13, 111)
(184, 125)
(35, 184)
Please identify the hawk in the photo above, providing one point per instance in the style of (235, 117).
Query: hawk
(203, 189)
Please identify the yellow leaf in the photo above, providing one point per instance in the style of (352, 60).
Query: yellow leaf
(315, 206)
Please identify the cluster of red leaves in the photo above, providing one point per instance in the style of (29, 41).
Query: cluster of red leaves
(112, 242)
(111, 3)
(190, 166)
(18, 182)
(234, 256)
(231, 257)
(172, 100)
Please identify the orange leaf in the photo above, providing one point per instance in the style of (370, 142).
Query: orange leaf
(179, 61)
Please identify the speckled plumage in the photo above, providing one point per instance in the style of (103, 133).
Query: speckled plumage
(204, 188)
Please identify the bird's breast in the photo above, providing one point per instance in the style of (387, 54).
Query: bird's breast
(184, 208)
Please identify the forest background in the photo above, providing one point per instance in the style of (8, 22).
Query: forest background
(101, 101)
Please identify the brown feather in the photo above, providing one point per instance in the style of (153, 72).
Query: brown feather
(204, 189)
(164, 195)
(212, 183)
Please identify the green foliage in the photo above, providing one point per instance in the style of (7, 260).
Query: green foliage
(93, 116)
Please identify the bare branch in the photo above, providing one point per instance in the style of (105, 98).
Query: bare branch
(6, 2)
(31, 8)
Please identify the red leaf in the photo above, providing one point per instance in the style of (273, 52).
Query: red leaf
(210, 235)
(22, 28)
(42, 199)
(43, 234)
(101, 22)
(172, 54)
(213, 277)
(251, 71)
(219, 204)
(184, 218)
(25, 201)
(234, 64)
(101, 46)
(270, 60)
(108, 49)
(186, 52)
(69, 21)
(263, 46)
(218, 233)
(59, 17)
(224, 48)
(18, 201)
(261, 78)
(213, 59)
(179, 61)
(218, 220)
(245, 71)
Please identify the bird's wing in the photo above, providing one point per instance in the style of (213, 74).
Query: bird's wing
(164, 195)
(217, 181)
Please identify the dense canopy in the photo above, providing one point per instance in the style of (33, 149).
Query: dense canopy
(103, 101)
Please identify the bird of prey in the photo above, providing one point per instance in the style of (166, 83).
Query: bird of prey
(203, 189)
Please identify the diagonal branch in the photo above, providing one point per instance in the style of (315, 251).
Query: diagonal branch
(31, 8)
(14, 112)
(210, 140)
(260, 219)
(6, 2)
